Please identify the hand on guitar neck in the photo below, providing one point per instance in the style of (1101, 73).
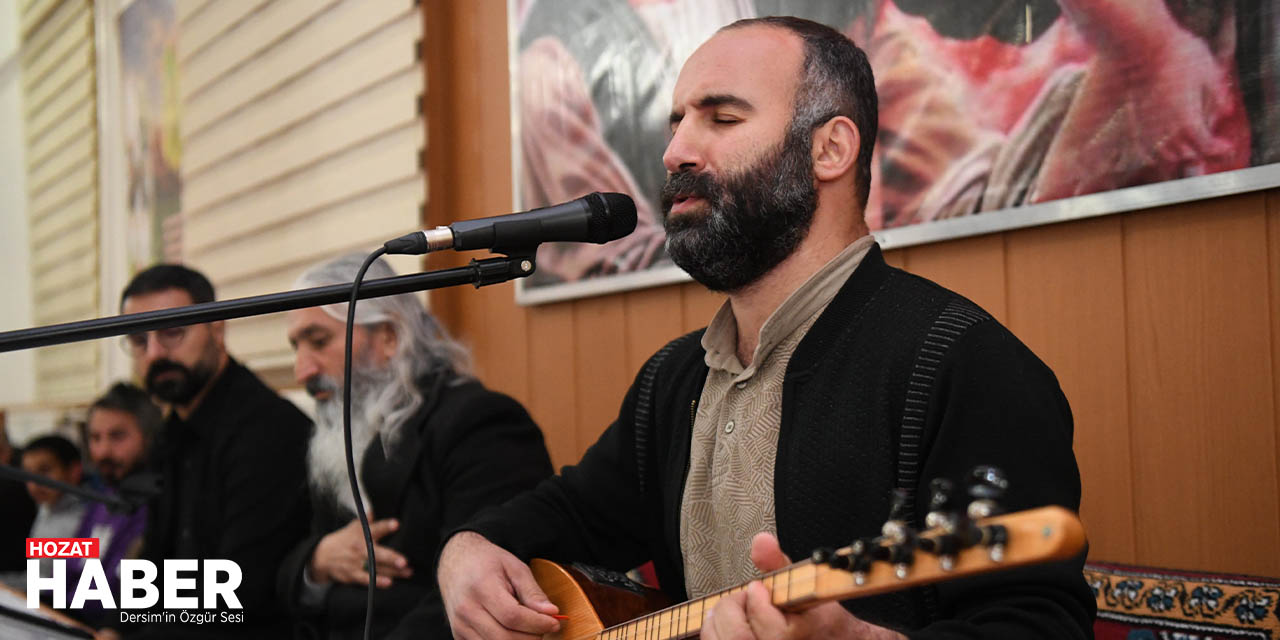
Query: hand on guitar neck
(752, 614)
(489, 593)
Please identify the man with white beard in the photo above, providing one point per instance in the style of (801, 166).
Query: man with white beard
(433, 446)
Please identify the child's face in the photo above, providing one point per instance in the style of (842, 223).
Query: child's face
(42, 462)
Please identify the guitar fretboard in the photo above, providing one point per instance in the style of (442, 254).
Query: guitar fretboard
(791, 587)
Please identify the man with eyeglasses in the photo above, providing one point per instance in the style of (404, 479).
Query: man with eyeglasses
(231, 454)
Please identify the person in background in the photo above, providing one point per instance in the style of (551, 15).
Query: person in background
(231, 455)
(59, 513)
(122, 423)
(19, 511)
(433, 447)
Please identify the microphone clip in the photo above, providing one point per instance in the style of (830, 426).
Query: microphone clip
(517, 263)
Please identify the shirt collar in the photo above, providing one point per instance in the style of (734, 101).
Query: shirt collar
(720, 341)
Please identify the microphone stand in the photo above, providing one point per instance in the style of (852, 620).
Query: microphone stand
(133, 495)
(518, 264)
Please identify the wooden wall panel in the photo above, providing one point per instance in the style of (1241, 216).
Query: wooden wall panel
(1198, 319)
(552, 399)
(1066, 283)
(972, 266)
(653, 318)
(698, 304)
(600, 364)
(1273, 273)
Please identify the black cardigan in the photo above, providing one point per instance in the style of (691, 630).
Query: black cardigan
(466, 448)
(845, 406)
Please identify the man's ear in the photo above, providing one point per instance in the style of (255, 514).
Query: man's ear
(835, 149)
(219, 331)
(384, 341)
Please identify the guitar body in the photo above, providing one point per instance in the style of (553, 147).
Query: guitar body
(593, 600)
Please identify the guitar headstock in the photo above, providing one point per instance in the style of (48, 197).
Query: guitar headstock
(967, 534)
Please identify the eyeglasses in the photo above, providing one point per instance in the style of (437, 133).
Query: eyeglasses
(135, 344)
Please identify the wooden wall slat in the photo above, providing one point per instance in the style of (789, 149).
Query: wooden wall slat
(70, 39)
(248, 39)
(75, 125)
(47, 28)
(600, 364)
(552, 380)
(698, 305)
(53, 168)
(388, 107)
(56, 210)
(33, 12)
(1273, 274)
(973, 267)
(383, 162)
(213, 22)
(45, 88)
(324, 37)
(1197, 318)
(502, 340)
(1066, 282)
(185, 10)
(896, 258)
(74, 242)
(361, 222)
(365, 67)
(653, 318)
(76, 95)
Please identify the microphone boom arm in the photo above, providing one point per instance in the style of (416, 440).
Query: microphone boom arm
(518, 263)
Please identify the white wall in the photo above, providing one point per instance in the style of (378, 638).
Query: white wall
(17, 369)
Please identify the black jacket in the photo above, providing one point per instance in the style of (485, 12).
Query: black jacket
(852, 389)
(234, 477)
(465, 449)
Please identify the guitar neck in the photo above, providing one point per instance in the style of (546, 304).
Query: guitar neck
(1044, 534)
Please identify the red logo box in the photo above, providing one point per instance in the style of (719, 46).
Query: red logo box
(62, 547)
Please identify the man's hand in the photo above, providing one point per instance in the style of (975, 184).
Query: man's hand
(490, 593)
(341, 556)
(750, 614)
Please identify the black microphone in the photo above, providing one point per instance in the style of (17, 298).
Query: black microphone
(595, 217)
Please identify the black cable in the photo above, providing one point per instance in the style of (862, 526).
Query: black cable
(370, 562)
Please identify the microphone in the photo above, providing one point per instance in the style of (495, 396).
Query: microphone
(595, 217)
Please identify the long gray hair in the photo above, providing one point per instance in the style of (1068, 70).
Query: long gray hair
(424, 350)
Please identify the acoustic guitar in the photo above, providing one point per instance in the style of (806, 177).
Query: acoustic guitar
(609, 606)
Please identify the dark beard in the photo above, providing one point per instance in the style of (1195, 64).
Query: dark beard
(180, 389)
(753, 219)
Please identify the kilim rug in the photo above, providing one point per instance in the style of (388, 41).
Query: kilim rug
(1147, 603)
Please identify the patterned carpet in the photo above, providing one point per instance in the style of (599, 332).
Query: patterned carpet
(1143, 603)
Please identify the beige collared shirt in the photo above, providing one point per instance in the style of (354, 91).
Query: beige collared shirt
(728, 495)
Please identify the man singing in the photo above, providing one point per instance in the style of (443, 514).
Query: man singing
(827, 379)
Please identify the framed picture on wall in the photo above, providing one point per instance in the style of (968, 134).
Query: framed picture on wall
(994, 114)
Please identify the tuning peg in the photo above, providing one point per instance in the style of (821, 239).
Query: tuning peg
(994, 538)
(941, 503)
(987, 485)
(900, 505)
(861, 555)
